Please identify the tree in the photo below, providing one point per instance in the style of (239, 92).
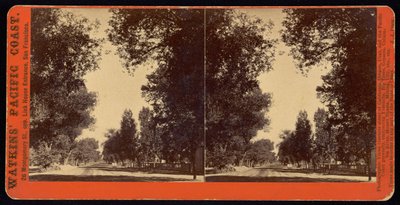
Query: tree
(86, 151)
(302, 138)
(110, 147)
(43, 156)
(260, 152)
(174, 39)
(325, 138)
(62, 53)
(64, 147)
(238, 51)
(345, 38)
(150, 144)
(127, 137)
(122, 144)
(286, 147)
(230, 129)
(229, 153)
(297, 145)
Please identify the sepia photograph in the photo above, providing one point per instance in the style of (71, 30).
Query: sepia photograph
(214, 95)
(291, 95)
(117, 95)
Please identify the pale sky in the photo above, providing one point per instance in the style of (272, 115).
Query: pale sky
(291, 91)
(117, 90)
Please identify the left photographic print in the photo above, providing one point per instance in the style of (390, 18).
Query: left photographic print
(116, 95)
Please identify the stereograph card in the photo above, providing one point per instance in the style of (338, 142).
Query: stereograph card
(210, 103)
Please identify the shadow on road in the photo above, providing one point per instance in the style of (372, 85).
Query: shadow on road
(310, 171)
(150, 171)
(227, 178)
(53, 177)
(107, 167)
(95, 172)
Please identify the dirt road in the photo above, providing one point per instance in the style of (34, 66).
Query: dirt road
(245, 174)
(106, 172)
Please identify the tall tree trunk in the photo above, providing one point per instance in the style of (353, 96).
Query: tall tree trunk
(329, 167)
(154, 161)
(67, 158)
(369, 155)
(241, 161)
(194, 164)
(153, 144)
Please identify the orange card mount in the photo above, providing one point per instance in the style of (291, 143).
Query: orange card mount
(107, 102)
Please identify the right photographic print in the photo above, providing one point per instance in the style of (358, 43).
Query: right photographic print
(290, 95)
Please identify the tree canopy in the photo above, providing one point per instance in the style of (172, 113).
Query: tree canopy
(296, 145)
(121, 145)
(346, 39)
(303, 137)
(86, 151)
(260, 152)
(286, 147)
(233, 49)
(325, 143)
(150, 144)
(173, 39)
(238, 51)
(62, 53)
(62, 151)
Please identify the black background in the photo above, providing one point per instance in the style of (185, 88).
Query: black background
(6, 5)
